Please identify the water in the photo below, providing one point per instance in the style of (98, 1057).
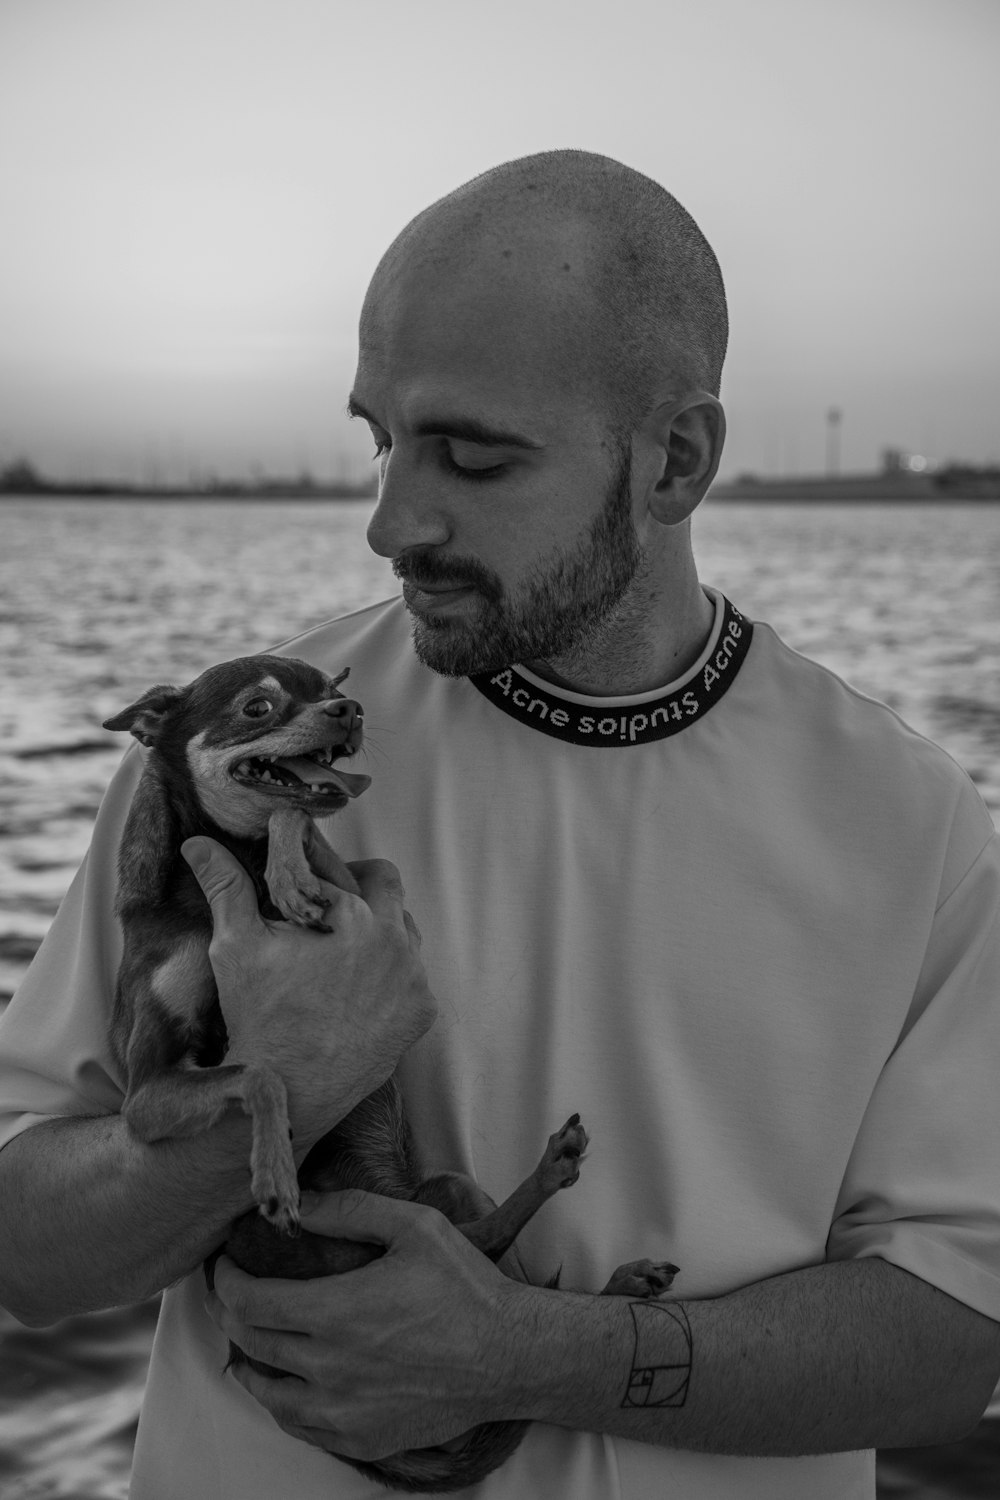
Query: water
(102, 598)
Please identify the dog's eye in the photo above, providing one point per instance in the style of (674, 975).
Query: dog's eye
(257, 708)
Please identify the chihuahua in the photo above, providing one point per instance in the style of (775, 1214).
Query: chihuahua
(251, 754)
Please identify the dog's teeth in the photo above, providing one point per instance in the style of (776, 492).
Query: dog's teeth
(266, 776)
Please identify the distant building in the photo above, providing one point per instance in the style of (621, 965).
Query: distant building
(895, 461)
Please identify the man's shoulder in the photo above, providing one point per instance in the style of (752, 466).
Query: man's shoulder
(861, 754)
(821, 701)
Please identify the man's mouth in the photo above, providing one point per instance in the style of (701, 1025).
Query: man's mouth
(314, 772)
(424, 597)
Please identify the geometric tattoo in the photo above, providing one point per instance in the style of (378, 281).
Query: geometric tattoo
(659, 1376)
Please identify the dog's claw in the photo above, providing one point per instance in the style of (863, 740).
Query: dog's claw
(299, 895)
(276, 1190)
(282, 1215)
(303, 911)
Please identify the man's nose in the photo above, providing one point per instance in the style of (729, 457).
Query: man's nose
(408, 514)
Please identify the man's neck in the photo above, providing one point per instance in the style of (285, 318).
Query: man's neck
(640, 648)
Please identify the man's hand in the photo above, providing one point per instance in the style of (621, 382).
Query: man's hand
(333, 1012)
(403, 1353)
(430, 1340)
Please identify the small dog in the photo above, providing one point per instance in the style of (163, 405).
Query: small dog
(251, 754)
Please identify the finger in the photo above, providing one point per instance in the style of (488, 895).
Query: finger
(356, 1215)
(276, 1395)
(284, 1351)
(327, 863)
(296, 1407)
(256, 1302)
(248, 1301)
(414, 931)
(319, 1437)
(338, 1443)
(381, 886)
(227, 886)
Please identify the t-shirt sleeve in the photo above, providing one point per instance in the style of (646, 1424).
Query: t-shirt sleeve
(922, 1188)
(55, 1058)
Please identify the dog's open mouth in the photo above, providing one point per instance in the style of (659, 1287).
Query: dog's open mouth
(313, 771)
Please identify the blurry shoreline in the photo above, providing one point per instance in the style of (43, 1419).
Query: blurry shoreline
(860, 489)
(22, 481)
(894, 483)
(903, 478)
(271, 489)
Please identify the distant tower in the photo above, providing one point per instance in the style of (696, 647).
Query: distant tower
(834, 417)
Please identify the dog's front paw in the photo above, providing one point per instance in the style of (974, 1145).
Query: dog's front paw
(560, 1166)
(302, 898)
(641, 1278)
(275, 1188)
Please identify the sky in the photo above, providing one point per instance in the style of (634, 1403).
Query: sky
(194, 194)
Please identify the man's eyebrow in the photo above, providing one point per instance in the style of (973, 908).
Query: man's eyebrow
(464, 429)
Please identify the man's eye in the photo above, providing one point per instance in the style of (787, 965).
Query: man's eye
(461, 471)
(493, 472)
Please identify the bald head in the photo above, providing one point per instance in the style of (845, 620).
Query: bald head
(601, 258)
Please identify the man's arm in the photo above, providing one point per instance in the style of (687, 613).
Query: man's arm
(830, 1358)
(92, 1217)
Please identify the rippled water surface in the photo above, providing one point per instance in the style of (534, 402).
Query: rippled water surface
(99, 599)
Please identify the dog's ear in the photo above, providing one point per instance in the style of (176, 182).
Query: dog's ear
(145, 717)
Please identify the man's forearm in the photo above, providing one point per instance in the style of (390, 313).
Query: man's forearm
(832, 1358)
(92, 1217)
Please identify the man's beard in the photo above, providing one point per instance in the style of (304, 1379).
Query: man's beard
(565, 600)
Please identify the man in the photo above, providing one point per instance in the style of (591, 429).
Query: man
(668, 873)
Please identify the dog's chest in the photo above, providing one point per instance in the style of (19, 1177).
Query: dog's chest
(184, 985)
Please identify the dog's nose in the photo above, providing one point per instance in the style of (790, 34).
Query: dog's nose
(346, 709)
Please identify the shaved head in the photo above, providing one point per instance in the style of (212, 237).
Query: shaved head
(621, 283)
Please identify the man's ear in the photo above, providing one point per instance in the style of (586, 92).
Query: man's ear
(146, 716)
(689, 433)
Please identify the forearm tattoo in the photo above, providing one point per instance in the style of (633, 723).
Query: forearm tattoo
(661, 1362)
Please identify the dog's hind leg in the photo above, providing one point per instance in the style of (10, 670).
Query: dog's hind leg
(641, 1278)
(495, 1232)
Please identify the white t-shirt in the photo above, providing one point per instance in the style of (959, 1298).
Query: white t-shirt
(746, 925)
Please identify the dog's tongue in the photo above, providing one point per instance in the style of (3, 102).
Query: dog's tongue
(310, 771)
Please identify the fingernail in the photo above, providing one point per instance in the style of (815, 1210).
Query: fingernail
(197, 853)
